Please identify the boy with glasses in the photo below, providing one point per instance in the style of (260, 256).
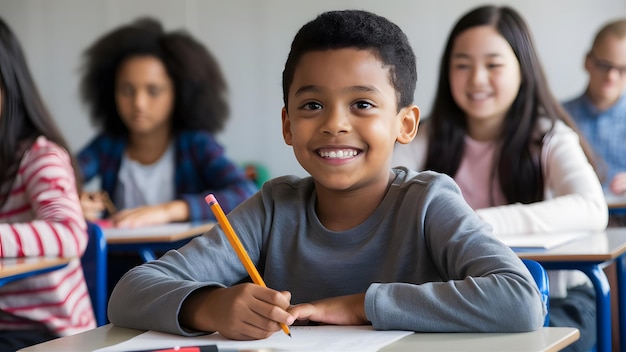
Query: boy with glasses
(600, 112)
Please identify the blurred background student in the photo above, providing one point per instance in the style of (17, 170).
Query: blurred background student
(157, 98)
(499, 132)
(600, 112)
(40, 214)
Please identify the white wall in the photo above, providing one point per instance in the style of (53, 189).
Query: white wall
(251, 39)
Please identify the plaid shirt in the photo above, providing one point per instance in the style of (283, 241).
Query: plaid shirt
(605, 131)
(201, 168)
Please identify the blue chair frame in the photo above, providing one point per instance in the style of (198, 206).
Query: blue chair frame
(94, 262)
(540, 275)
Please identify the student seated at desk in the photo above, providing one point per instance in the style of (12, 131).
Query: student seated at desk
(496, 128)
(600, 111)
(157, 98)
(40, 214)
(355, 243)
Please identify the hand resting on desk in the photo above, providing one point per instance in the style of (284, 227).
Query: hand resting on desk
(148, 215)
(92, 204)
(343, 310)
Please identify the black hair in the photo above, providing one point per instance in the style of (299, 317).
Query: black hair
(361, 30)
(518, 165)
(200, 101)
(23, 114)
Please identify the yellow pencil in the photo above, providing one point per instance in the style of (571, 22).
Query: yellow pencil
(238, 247)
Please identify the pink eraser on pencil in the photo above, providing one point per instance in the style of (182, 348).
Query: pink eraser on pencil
(210, 199)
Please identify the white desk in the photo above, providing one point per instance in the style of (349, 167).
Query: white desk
(149, 239)
(590, 254)
(544, 339)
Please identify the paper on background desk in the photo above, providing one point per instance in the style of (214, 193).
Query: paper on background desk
(540, 241)
(614, 200)
(304, 338)
(148, 231)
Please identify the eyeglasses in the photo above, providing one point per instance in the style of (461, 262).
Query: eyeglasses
(605, 66)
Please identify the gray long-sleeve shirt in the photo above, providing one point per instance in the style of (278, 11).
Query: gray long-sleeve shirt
(425, 260)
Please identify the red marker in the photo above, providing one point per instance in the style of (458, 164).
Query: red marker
(208, 348)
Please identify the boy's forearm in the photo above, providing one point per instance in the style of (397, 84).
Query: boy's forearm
(194, 314)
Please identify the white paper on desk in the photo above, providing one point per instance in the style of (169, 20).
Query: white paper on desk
(148, 231)
(540, 240)
(304, 338)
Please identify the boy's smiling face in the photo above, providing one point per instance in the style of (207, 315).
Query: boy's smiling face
(342, 119)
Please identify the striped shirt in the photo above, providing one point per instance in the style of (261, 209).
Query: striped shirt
(42, 217)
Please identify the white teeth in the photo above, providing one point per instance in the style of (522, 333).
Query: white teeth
(479, 96)
(338, 154)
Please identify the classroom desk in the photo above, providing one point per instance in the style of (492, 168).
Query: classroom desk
(544, 339)
(590, 254)
(12, 269)
(150, 239)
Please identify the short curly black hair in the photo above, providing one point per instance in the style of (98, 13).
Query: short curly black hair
(200, 88)
(361, 30)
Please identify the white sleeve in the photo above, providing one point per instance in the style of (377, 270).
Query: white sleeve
(573, 194)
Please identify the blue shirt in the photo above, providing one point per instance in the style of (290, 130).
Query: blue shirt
(605, 131)
(200, 168)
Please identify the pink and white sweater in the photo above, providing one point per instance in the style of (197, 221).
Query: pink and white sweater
(42, 217)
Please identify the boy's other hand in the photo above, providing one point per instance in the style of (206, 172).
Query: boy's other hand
(242, 312)
(618, 184)
(343, 310)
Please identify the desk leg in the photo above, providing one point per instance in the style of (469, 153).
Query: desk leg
(147, 254)
(603, 306)
(603, 297)
(621, 302)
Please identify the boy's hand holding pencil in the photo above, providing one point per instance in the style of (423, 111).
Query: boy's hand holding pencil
(242, 312)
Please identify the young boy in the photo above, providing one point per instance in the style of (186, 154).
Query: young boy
(600, 112)
(355, 243)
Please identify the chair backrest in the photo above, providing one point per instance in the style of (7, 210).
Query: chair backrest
(541, 278)
(94, 263)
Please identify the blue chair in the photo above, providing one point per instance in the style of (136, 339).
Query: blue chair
(541, 278)
(94, 262)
